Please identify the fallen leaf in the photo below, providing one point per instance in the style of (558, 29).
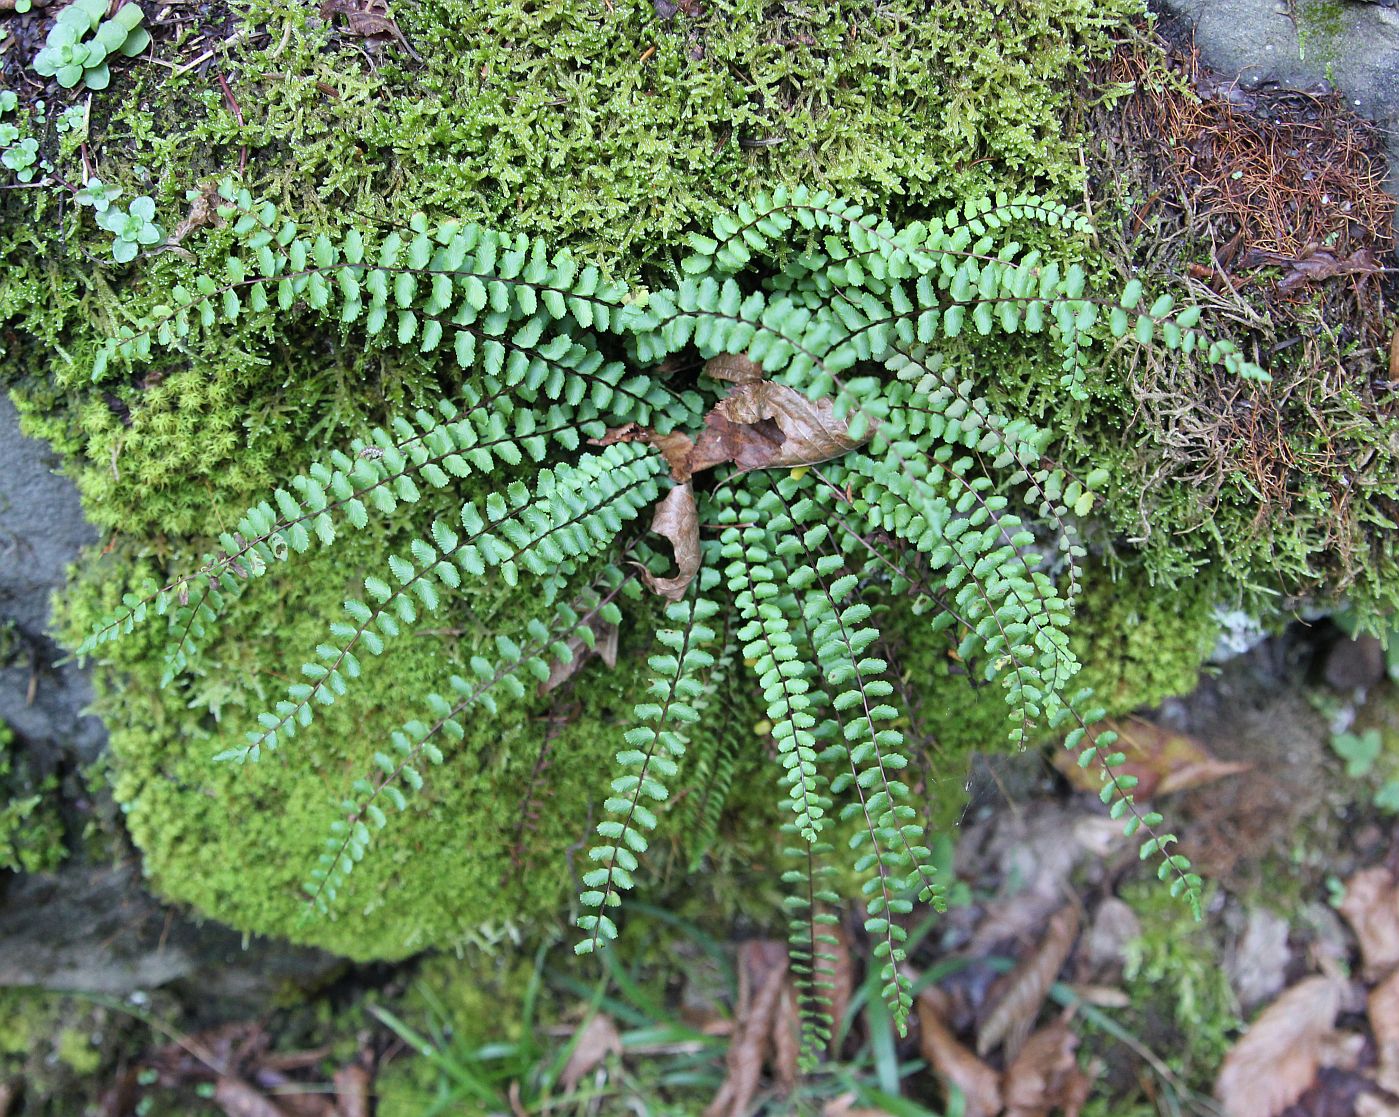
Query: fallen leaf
(1044, 1076)
(1313, 266)
(604, 646)
(1394, 356)
(841, 974)
(843, 1105)
(1016, 999)
(735, 368)
(1162, 760)
(954, 1063)
(1104, 943)
(762, 974)
(1278, 1057)
(238, 1099)
(369, 19)
(352, 1089)
(677, 519)
(1382, 1007)
(1371, 907)
(762, 425)
(676, 447)
(598, 1039)
(786, 1039)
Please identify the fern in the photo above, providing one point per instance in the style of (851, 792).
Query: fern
(921, 492)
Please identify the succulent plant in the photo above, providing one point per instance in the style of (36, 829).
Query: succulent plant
(99, 195)
(70, 55)
(22, 158)
(133, 228)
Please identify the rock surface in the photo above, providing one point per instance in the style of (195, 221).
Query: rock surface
(91, 927)
(1300, 44)
(41, 531)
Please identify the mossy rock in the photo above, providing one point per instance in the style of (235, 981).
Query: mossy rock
(610, 132)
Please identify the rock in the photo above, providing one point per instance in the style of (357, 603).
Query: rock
(94, 930)
(1257, 966)
(41, 531)
(1351, 46)
(1353, 664)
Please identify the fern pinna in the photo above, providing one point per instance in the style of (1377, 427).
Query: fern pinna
(832, 447)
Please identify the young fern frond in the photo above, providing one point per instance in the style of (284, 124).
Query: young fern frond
(655, 747)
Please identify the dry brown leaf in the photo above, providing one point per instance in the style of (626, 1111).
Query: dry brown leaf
(598, 1039)
(762, 974)
(1314, 266)
(841, 975)
(1016, 999)
(1371, 907)
(1382, 1008)
(734, 368)
(762, 425)
(369, 19)
(1162, 760)
(352, 1090)
(786, 1039)
(1277, 1059)
(604, 646)
(1044, 1076)
(954, 1063)
(1394, 356)
(844, 1106)
(678, 520)
(237, 1099)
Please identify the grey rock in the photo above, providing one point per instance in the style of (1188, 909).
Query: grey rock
(1257, 965)
(42, 530)
(94, 930)
(1351, 46)
(1352, 664)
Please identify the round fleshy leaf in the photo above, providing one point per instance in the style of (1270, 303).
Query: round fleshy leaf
(136, 42)
(123, 251)
(98, 78)
(69, 76)
(143, 207)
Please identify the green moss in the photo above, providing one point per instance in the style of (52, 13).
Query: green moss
(1175, 977)
(31, 828)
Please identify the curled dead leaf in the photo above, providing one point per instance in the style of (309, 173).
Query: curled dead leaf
(1045, 1077)
(1277, 1059)
(604, 646)
(237, 1099)
(598, 1039)
(677, 519)
(735, 368)
(1371, 907)
(762, 425)
(762, 985)
(1017, 998)
(954, 1063)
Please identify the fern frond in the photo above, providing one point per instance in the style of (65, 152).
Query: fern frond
(576, 511)
(398, 766)
(655, 746)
